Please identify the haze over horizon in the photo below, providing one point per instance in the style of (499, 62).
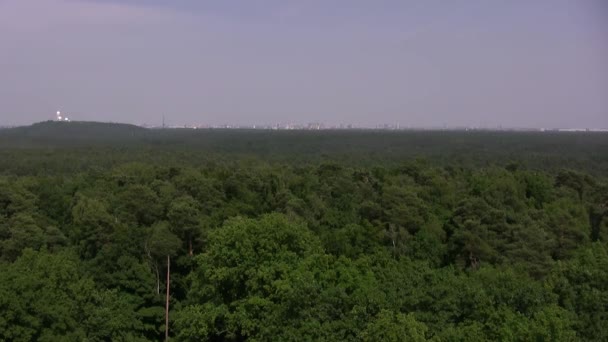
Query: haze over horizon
(540, 63)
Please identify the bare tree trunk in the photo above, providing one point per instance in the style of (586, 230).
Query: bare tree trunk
(167, 302)
(473, 261)
(393, 235)
(157, 279)
(155, 266)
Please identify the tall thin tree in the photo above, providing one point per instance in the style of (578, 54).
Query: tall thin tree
(167, 301)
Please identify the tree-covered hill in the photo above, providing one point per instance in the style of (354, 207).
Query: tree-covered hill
(76, 132)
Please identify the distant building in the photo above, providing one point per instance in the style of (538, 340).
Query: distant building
(61, 117)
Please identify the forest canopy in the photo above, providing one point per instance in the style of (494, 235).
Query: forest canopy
(291, 236)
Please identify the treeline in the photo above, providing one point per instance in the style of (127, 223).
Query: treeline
(318, 251)
(66, 148)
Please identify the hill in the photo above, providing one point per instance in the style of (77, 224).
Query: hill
(60, 133)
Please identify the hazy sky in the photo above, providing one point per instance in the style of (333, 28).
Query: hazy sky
(419, 63)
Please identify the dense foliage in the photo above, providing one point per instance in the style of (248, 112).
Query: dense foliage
(336, 247)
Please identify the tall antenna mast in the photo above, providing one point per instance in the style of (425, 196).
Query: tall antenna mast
(163, 121)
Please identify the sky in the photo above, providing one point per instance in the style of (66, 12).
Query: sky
(489, 63)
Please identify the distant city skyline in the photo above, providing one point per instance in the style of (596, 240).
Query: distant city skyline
(427, 63)
(59, 116)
